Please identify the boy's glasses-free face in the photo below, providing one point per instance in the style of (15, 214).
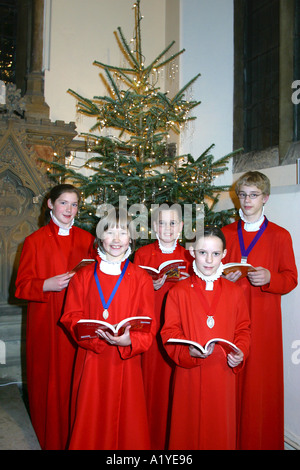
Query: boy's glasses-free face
(172, 223)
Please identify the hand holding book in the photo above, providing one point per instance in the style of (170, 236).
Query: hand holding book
(235, 271)
(234, 355)
(89, 329)
(121, 340)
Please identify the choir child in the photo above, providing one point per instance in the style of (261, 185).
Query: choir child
(108, 409)
(47, 258)
(202, 307)
(267, 247)
(157, 366)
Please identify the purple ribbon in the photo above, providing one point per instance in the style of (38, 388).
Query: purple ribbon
(245, 252)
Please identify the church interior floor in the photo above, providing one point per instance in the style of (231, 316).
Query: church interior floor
(16, 432)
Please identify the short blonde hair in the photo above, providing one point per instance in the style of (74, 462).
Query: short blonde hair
(254, 178)
(115, 218)
(167, 206)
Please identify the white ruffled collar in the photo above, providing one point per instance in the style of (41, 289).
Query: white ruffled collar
(252, 226)
(208, 279)
(112, 267)
(164, 249)
(62, 230)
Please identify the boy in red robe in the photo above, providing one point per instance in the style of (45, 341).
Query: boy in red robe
(269, 249)
(202, 307)
(47, 258)
(108, 400)
(157, 366)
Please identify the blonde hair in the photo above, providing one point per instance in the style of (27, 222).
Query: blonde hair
(115, 218)
(254, 178)
(167, 206)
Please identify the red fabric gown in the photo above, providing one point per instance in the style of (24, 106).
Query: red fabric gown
(49, 350)
(157, 366)
(108, 400)
(261, 381)
(204, 400)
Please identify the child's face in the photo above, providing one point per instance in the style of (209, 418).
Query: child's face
(64, 208)
(115, 242)
(208, 254)
(252, 208)
(168, 227)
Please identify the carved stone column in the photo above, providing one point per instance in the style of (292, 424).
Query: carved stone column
(35, 101)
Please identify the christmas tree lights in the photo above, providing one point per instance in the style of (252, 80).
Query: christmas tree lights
(136, 157)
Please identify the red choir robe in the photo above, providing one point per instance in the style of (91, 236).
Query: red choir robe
(49, 350)
(157, 366)
(203, 414)
(108, 408)
(261, 423)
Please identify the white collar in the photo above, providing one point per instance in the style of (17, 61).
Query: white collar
(164, 249)
(208, 279)
(252, 226)
(62, 230)
(112, 267)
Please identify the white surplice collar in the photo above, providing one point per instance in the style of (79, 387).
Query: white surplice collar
(208, 279)
(252, 226)
(62, 230)
(164, 249)
(112, 267)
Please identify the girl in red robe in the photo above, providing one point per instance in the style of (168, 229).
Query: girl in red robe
(202, 307)
(47, 257)
(108, 401)
(157, 366)
(269, 249)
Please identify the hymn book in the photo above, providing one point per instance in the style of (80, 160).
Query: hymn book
(224, 343)
(244, 268)
(83, 262)
(174, 269)
(86, 328)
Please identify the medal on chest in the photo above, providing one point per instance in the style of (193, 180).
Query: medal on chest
(106, 305)
(209, 309)
(210, 321)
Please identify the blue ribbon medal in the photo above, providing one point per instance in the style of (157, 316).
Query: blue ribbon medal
(107, 304)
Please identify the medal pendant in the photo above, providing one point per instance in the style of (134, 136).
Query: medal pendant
(244, 260)
(105, 314)
(210, 322)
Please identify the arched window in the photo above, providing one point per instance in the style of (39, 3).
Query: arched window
(261, 74)
(15, 41)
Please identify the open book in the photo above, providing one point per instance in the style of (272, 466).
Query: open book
(83, 262)
(244, 268)
(86, 328)
(174, 269)
(224, 343)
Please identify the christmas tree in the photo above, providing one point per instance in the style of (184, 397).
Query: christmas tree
(135, 160)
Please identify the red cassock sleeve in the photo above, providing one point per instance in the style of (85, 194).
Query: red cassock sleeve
(42, 257)
(29, 284)
(284, 279)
